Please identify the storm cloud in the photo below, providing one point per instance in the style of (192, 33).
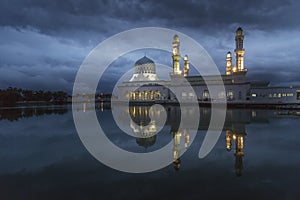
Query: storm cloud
(43, 43)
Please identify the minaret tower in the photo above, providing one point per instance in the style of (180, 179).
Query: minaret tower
(239, 50)
(186, 68)
(228, 63)
(176, 56)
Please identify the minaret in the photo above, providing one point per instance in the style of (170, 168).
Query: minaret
(176, 56)
(239, 50)
(228, 63)
(186, 68)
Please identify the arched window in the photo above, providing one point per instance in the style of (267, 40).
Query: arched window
(230, 95)
(240, 95)
(205, 94)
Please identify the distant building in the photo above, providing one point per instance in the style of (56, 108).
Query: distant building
(144, 86)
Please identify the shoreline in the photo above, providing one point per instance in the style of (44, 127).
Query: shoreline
(245, 105)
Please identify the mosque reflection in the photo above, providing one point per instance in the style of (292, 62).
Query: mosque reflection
(234, 128)
(143, 127)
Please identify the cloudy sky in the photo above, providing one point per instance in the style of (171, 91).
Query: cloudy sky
(43, 43)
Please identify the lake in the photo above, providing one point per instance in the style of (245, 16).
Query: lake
(42, 156)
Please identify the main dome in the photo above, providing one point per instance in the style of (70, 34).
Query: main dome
(144, 70)
(143, 60)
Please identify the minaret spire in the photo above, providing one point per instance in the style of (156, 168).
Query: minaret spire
(186, 68)
(239, 50)
(176, 56)
(228, 63)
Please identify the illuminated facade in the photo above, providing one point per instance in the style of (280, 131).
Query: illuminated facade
(144, 86)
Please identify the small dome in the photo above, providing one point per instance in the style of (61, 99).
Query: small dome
(239, 31)
(228, 55)
(176, 38)
(144, 60)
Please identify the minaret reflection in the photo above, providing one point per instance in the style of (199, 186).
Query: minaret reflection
(177, 137)
(176, 149)
(236, 136)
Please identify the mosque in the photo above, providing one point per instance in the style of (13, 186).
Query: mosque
(144, 86)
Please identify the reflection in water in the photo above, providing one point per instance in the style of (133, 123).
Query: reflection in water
(15, 113)
(237, 135)
(88, 106)
(142, 125)
(43, 158)
(145, 128)
(177, 136)
(146, 142)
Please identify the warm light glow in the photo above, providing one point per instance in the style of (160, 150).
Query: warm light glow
(230, 95)
(228, 140)
(84, 107)
(240, 143)
(102, 106)
(234, 136)
(174, 51)
(186, 139)
(175, 155)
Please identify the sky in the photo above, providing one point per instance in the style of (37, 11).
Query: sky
(43, 43)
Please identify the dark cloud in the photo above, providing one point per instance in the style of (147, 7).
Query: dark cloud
(284, 76)
(99, 16)
(57, 33)
(33, 77)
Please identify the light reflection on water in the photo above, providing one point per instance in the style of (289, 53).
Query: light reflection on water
(42, 157)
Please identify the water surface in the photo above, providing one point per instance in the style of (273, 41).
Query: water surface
(42, 157)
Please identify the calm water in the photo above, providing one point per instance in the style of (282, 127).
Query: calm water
(42, 157)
